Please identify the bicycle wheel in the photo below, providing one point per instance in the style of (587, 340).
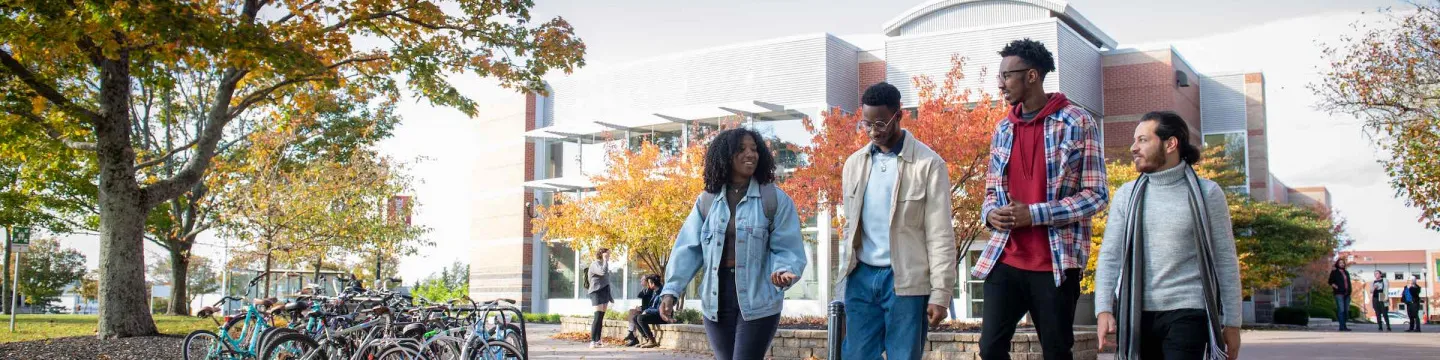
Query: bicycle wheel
(201, 345)
(513, 336)
(292, 346)
(443, 347)
(497, 350)
(271, 334)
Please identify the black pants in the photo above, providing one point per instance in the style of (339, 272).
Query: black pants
(1011, 292)
(1414, 311)
(731, 337)
(1382, 317)
(1174, 334)
(642, 321)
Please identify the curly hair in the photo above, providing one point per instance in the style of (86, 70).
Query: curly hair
(882, 94)
(1033, 53)
(720, 156)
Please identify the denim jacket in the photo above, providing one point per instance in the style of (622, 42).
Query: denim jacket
(700, 244)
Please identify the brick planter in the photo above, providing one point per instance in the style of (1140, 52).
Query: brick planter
(804, 344)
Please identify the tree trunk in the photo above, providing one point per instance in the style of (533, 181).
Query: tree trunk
(124, 309)
(179, 283)
(268, 256)
(5, 289)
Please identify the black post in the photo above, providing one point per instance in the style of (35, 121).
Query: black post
(835, 330)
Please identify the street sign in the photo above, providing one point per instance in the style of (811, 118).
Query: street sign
(20, 236)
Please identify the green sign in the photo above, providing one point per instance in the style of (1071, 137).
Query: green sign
(20, 236)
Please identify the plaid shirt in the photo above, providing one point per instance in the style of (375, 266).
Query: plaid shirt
(1075, 189)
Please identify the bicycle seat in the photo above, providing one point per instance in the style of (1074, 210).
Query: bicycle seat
(297, 306)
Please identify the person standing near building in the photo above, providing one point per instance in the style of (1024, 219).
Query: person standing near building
(1411, 297)
(1046, 180)
(600, 298)
(743, 236)
(1340, 283)
(897, 261)
(1169, 254)
(1380, 301)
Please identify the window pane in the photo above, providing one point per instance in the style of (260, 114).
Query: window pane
(977, 308)
(562, 271)
(809, 286)
(632, 288)
(977, 290)
(1233, 158)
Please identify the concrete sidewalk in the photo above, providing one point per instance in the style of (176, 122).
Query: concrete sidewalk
(1363, 343)
(543, 347)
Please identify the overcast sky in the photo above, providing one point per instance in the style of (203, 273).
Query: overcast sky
(1278, 37)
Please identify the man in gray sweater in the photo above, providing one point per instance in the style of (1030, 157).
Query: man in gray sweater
(1167, 265)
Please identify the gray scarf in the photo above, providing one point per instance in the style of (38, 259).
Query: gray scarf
(1131, 301)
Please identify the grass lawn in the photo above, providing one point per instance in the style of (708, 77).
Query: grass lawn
(47, 326)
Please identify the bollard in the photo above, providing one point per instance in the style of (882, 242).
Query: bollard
(835, 330)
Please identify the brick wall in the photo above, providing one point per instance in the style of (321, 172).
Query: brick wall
(871, 73)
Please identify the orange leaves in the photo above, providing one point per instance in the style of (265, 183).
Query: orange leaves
(638, 206)
(948, 119)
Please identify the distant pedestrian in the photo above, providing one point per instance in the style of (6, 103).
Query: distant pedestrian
(600, 297)
(1411, 297)
(1380, 302)
(1340, 282)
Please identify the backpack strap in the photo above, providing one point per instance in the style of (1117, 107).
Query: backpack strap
(706, 200)
(767, 198)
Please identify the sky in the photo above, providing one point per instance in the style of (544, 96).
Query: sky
(1279, 37)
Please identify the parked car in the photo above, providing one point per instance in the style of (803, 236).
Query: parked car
(1398, 318)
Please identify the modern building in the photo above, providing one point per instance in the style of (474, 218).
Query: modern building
(1398, 266)
(774, 83)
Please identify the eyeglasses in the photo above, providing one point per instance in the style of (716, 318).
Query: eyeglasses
(872, 124)
(1006, 74)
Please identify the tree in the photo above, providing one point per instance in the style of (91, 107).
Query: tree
(451, 283)
(46, 269)
(306, 210)
(954, 122)
(638, 206)
(90, 286)
(1387, 77)
(201, 278)
(77, 66)
(1275, 242)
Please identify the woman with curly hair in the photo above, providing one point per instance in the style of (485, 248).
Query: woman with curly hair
(743, 238)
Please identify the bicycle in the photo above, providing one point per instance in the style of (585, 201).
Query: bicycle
(208, 345)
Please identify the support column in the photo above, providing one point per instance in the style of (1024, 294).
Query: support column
(822, 254)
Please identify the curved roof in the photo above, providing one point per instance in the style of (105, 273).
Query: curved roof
(1060, 9)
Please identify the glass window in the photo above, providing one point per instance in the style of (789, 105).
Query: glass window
(1399, 275)
(554, 166)
(809, 286)
(1233, 157)
(562, 271)
(633, 284)
(975, 287)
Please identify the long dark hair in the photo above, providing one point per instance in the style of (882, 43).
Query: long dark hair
(720, 156)
(1168, 124)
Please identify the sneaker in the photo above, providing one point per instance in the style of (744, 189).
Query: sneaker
(650, 345)
(595, 344)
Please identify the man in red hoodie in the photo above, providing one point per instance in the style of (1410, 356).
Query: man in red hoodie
(1046, 179)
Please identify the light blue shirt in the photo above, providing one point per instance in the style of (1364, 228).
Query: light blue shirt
(875, 210)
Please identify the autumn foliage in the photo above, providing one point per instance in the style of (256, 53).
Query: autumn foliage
(957, 123)
(639, 203)
(1387, 78)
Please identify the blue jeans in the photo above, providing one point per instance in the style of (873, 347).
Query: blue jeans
(1342, 311)
(877, 320)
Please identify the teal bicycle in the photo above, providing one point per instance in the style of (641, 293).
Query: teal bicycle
(238, 338)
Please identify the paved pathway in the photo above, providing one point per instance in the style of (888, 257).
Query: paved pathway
(1363, 343)
(543, 347)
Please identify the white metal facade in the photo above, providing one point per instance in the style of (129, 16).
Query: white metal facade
(1222, 104)
(973, 15)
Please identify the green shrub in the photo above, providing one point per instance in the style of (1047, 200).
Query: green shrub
(690, 316)
(1320, 312)
(1292, 316)
(542, 318)
(1355, 313)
